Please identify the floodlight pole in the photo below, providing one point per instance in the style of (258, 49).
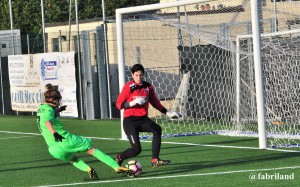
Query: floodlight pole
(79, 61)
(12, 28)
(106, 59)
(43, 24)
(70, 27)
(12, 32)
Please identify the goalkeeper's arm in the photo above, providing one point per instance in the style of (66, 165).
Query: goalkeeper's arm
(157, 104)
(173, 114)
(137, 101)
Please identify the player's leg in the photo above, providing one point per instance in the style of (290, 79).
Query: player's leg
(60, 154)
(131, 129)
(80, 164)
(150, 126)
(108, 161)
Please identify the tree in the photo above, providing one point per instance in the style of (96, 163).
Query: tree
(4, 15)
(27, 14)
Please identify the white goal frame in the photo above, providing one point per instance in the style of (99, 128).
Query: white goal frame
(256, 46)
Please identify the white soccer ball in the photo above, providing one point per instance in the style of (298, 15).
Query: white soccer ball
(135, 166)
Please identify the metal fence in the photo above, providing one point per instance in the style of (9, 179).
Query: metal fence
(96, 90)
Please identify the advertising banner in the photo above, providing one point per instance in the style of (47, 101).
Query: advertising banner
(28, 75)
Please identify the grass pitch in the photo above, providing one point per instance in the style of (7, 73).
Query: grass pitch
(208, 160)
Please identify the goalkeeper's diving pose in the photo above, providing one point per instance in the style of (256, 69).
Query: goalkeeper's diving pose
(62, 144)
(134, 99)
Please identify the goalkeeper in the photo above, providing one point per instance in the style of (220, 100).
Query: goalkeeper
(134, 99)
(62, 144)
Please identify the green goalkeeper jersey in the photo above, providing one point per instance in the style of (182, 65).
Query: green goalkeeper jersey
(47, 113)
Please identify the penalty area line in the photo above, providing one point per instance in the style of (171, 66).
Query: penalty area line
(171, 176)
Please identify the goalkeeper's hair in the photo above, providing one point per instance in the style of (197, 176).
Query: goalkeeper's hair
(137, 67)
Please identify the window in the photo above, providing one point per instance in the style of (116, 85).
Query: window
(55, 45)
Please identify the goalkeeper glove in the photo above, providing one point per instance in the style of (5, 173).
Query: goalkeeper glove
(139, 101)
(62, 108)
(58, 137)
(173, 114)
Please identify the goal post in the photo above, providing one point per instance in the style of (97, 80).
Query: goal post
(258, 74)
(120, 45)
(280, 130)
(230, 66)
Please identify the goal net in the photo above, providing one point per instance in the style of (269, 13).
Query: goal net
(198, 55)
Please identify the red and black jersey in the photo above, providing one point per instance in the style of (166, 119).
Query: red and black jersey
(131, 91)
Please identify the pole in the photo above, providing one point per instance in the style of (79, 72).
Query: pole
(43, 24)
(275, 12)
(106, 59)
(28, 52)
(12, 27)
(59, 41)
(260, 100)
(121, 63)
(12, 32)
(79, 60)
(238, 80)
(1, 79)
(70, 17)
(28, 44)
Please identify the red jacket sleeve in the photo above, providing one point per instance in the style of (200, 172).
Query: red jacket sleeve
(123, 97)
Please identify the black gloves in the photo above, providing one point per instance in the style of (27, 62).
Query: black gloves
(62, 108)
(58, 137)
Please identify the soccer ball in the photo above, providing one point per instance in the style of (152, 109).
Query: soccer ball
(135, 166)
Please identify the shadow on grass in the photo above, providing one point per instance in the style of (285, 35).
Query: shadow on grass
(224, 142)
(34, 167)
(189, 167)
(27, 162)
(174, 167)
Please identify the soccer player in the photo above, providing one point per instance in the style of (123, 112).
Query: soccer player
(63, 144)
(134, 99)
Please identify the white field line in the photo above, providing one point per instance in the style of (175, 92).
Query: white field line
(173, 176)
(225, 146)
(11, 132)
(173, 143)
(16, 137)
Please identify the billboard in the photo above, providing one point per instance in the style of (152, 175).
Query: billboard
(28, 75)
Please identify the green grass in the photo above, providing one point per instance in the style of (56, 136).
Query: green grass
(196, 161)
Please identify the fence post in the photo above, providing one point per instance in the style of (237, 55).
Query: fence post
(1, 79)
(102, 73)
(87, 77)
